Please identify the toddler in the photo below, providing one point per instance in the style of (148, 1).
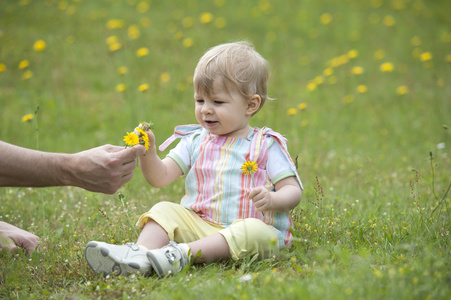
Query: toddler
(240, 181)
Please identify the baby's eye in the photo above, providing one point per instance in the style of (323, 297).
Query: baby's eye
(199, 101)
(219, 102)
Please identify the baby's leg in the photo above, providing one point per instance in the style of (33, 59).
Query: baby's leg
(153, 236)
(212, 248)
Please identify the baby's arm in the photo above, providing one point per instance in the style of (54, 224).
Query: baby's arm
(158, 172)
(286, 196)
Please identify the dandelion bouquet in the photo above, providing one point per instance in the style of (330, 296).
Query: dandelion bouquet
(133, 138)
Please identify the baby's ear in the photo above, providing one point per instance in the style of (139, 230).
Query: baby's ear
(253, 104)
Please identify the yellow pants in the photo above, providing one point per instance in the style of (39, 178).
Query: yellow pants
(245, 236)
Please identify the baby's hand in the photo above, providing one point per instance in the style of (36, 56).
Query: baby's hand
(261, 198)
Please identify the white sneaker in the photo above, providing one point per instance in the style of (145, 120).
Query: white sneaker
(117, 260)
(170, 259)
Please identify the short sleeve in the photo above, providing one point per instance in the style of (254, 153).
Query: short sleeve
(278, 166)
(181, 154)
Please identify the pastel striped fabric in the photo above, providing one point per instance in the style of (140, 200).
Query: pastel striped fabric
(216, 188)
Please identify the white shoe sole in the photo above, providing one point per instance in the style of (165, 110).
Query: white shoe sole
(102, 262)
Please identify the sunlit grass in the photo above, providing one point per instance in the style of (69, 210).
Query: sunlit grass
(362, 92)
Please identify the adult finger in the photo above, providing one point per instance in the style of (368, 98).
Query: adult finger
(129, 154)
(8, 244)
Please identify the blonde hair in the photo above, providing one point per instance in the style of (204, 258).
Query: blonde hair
(237, 64)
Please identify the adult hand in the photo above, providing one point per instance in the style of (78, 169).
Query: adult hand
(104, 169)
(12, 237)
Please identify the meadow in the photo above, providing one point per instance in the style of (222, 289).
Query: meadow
(362, 91)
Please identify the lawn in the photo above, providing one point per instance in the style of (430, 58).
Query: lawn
(362, 91)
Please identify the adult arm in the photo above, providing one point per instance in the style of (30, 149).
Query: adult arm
(103, 169)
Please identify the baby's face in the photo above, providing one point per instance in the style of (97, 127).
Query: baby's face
(223, 112)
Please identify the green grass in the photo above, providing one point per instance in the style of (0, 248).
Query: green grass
(374, 219)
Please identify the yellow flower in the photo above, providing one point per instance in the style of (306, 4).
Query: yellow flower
(220, 22)
(291, 111)
(27, 117)
(131, 139)
(425, 56)
(27, 75)
(379, 54)
(142, 7)
(448, 58)
(311, 86)
(362, 88)
(386, 67)
(24, 64)
(188, 42)
(142, 52)
(115, 46)
(165, 77)
(2, 68)
(111, 40)
(122, 70)
(249, 167)
(325, 18)
(357, 70)
(302, 106)
(206, 17)
(144, 137)
(120, 87)
(114, 23)
(353, 53)
(39, 45)
(133, 32)
(143, 87)
(402, 90)
(389, 21)
(328, 72)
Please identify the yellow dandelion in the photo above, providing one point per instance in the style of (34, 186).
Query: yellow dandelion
(448, 58)
(142, 52)
(2, 68)
(425, 56)
(348, 99)
(133, 32)
(115, 46)
(220, 23)
(327, 72)
(318, 80)
(302, 106)
(142, 7)
(353, 53)
(27, 75)
(39, 45)
(122, 70)
(249, 167)
(402, 90)
(24, 64)
(165, 77)
(206, 17)
(187, 22)
(145, 22)
(291, 111)
(131, 139)
(389, 21)
(27, 117)
(143, 87)
(357, 70)
(188, 42)
(120, 87)
(362, 88)
(114, 24)
(379, 54)
(416, 41)
(386, 67)
(311, 86)
(325, 18)
(111, 40)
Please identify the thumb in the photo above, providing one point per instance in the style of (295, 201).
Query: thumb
(8, 244)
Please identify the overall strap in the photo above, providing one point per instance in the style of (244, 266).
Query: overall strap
(179, 132)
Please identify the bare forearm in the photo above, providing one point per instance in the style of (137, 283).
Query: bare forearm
(25, 167)
(286, 198)
(157, 172)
